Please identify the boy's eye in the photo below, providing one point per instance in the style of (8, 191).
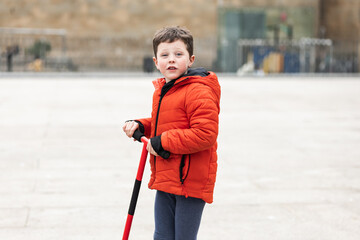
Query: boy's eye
(179, 54)
(163, 55)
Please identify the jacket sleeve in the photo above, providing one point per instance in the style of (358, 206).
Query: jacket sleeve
(202, 107)
(146, 122)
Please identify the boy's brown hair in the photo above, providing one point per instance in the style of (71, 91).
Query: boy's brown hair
(172, 34)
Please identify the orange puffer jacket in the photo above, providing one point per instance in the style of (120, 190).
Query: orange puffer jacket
(185, 119)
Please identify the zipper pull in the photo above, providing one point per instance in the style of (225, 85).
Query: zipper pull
(184, 192)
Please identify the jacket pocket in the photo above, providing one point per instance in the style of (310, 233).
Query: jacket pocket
(184, 167)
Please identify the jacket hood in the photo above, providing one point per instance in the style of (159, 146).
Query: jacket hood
(201, 75)
(202, 72)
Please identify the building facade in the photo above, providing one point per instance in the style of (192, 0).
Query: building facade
(117, 34)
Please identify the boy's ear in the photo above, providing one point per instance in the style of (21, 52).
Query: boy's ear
(156, 62)
(192, 60)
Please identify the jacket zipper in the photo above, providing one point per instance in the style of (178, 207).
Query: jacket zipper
(156, 123)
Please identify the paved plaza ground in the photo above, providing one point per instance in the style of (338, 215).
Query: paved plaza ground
(289, 159)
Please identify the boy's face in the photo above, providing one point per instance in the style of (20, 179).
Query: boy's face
(172, 59)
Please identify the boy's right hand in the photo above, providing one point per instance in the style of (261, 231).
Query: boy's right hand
(130, 127)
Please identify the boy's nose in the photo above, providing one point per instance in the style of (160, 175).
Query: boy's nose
(171, 58)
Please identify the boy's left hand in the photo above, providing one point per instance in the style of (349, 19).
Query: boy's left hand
(150, 149)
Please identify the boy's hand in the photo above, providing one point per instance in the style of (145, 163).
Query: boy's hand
(130, 127)
(150, 149)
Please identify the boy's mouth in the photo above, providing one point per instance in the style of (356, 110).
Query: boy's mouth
(171, 68)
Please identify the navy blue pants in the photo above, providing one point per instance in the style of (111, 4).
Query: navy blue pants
(177, 217)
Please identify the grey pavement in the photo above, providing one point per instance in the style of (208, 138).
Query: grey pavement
(289, 159)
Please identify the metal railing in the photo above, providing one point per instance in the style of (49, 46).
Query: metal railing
(53, 50)
(306, 55)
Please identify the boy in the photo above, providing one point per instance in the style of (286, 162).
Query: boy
(183, 129)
